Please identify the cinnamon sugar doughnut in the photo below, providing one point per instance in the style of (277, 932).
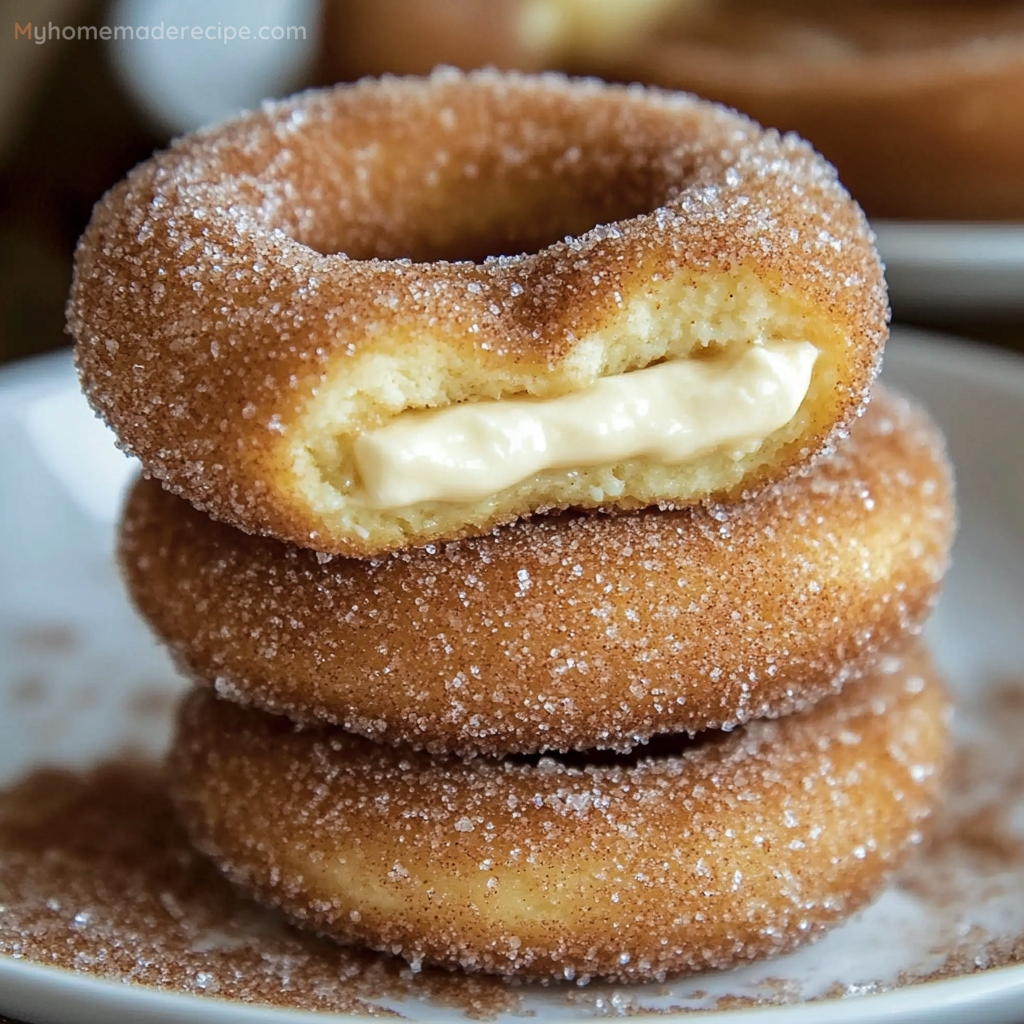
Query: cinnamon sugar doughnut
(257, 307)
(743, 845)
(919, 105)
(567, 632)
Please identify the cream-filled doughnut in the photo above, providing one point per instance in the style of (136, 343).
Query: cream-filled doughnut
(743, 845)
(382, 315)
(567, 632)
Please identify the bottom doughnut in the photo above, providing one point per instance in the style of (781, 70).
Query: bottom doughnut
(726, 848)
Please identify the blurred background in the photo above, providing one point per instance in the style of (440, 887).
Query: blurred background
(921, 106)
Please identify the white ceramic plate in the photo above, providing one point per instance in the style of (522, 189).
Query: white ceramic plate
(60, 484)
(953, 266)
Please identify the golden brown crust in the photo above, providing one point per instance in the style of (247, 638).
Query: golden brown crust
(208, 309)
(567, 632)
(742, 846)
(917, 104)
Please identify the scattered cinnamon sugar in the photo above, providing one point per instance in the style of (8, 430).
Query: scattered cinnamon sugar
(49, 637)
(96, 876)
(987, 781)
(29, 689)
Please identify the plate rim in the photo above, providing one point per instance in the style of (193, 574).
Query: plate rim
(893, 1006)
(984, 247)
(994, 368)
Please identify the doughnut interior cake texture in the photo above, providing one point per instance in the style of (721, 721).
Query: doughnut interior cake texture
(409, 310)
(570, 631)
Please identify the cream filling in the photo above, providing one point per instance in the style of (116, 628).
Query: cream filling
(670, 413)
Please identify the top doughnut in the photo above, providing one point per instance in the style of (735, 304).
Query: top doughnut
(273, 313)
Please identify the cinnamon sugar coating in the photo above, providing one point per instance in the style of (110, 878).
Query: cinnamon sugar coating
(744, 845)
(567, 632)
(248, 302)
(918, 104)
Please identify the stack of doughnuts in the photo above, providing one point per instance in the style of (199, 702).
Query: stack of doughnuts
(511, 496)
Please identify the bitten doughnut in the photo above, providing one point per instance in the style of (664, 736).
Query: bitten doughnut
(268, 317)
(567, 632)
(741, 846)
